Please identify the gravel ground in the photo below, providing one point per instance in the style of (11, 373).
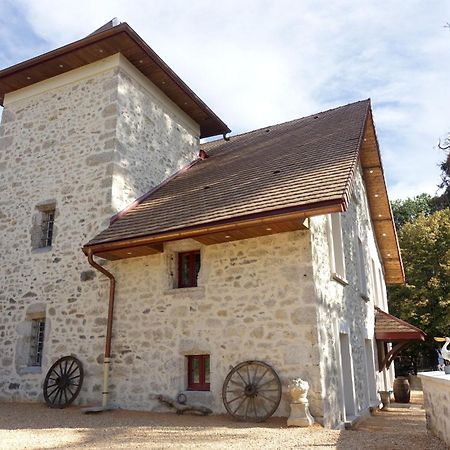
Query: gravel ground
(34, 426)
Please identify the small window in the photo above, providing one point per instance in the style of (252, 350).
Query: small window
(37, 341)
(48, 219)
(337, 261)
(383, 299)
(188, 268)
(43, 224)
(198, 372)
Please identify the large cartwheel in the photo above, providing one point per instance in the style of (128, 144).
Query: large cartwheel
(63, 382)
(251, 391)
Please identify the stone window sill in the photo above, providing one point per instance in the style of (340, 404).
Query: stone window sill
(340, 279)
(29, 369)
(203, 397)
(192, 291)
(41, 250)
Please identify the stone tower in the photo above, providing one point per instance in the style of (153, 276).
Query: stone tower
(86, 129)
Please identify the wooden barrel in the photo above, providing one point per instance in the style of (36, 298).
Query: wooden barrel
(402, 392)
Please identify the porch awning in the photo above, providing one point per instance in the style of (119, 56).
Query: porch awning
(389, 328)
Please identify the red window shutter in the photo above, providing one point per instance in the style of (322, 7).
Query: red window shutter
(198, 372)
(188, 268)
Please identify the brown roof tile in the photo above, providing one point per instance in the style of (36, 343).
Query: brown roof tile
(296, 164)
(391, 328)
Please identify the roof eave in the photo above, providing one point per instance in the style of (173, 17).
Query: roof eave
(212, 125)
(302, 211)
(381, 216)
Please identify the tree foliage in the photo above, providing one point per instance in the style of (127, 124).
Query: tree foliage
(424, 300)
(423, 226)
(445, 173)
(408, 210)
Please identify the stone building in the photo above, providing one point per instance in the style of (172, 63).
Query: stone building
(273, 245)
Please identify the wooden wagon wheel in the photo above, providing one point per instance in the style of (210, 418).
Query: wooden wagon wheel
(63, 382)
(251, 391)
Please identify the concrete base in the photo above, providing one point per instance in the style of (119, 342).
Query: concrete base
(300, 416)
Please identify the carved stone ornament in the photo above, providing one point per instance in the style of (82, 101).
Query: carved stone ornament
(300, 415)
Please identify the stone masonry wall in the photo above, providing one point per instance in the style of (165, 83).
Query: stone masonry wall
(254, 300)
(59, 145)
(154, 138)
(436, 393)
(341, 308)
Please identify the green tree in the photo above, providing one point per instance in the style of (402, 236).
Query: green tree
(424, 300)
(444, 199)
(409, 209)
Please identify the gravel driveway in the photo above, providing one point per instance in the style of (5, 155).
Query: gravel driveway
(34, 426)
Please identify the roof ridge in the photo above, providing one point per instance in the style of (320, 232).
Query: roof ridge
(287, 121)
(357, 156)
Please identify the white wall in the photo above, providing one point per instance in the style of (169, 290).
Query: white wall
(342, 308)
(436, 392)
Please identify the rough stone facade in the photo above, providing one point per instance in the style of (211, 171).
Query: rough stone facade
(62, 143)
(342, 309)
(90, 142)
(436, 392)
(254, 300)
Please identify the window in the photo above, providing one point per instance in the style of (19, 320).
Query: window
(337, 261)
(188, 268)
(37, 341)
(362, 270)
(42, 230)
(198, 372)
(383, 299)
(48, 219)
(378, 300)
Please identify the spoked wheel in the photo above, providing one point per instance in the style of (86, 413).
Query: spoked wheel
(63, 382)
(251, 391)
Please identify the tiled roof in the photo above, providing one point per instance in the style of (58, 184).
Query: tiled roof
(108, 40)
(391, 328)
(296, 164)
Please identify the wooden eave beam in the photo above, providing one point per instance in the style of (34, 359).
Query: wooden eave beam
(392, 336)
(119, 39)
(379, 206)
(393, 352)
(108, 250)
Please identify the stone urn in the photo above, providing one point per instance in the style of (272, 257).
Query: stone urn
(300, 415)
(385, 398)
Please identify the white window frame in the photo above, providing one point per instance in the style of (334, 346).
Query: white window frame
(383, 297)
(376, 288)
(336, 248)
(362, 273)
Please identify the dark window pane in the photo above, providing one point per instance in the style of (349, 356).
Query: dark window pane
(196, 267)
(184, 267)
(188, 267)
(207, 369)
(195, 370)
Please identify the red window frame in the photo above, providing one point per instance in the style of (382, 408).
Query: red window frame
(202, 385)
(192, 273)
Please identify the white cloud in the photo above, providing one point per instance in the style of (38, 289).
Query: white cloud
(262, 62)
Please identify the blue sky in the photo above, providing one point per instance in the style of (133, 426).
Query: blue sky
(257, 63)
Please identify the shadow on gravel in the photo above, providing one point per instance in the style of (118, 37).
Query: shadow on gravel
(34, 426)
